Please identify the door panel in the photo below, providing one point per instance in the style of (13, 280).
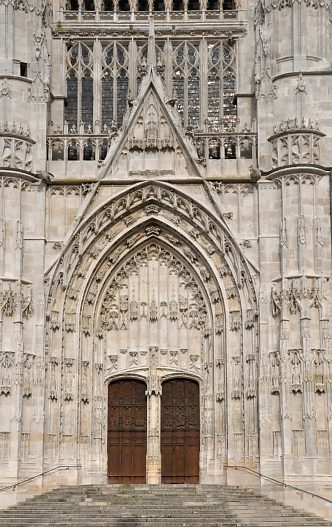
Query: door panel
(180, 432)
(126, 446)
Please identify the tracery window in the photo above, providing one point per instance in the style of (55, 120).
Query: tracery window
(193, 5)
(72, 5)
(186, 81)
(228, 5)
(149, 5)
(107, 5)
(159, 5)
(221, 83)
(89, 5)
(114, 83)
(213, 5)
(124, 5)
(177, 5)
(142, 5)
(79, 106)
(143, 57)
(200, 75)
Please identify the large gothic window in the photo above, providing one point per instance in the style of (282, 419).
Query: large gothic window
(143, 57)
(200, 75)
(114, 83)
(221, 83)
(186, 81)
(79, 105)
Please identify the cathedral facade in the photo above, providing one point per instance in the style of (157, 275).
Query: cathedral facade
(165, 240)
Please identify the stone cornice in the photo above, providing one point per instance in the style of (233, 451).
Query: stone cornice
(14, 173)
(291, 170)
(88, 29)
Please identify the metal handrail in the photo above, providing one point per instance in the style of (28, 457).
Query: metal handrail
(278, 482)
(59, 467)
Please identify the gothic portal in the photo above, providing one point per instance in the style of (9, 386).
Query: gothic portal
(165, 241)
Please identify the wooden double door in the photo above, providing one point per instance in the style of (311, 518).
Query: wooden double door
(179, 432)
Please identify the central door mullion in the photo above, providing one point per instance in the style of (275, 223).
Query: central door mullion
(153, 456)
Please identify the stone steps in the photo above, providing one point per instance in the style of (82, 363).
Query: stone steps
(159, 506)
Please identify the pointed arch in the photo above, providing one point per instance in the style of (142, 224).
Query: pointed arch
(97, 305)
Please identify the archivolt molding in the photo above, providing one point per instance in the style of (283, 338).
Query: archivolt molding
(111, 235)
(101, 256)
(101, 260)
(96, 320)
(216, 271)
(155, 197)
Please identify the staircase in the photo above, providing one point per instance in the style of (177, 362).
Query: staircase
(154, 506)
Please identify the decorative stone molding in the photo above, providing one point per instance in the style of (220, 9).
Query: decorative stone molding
(296, 370)
(16, 153)
(53, 383)
(4, 446)
(123, 306)
(274, 357)
(13, 298)
(28, 374)
(7, 362)
(266, 6)
(235, 321)
(251, 387)
(265, 87)
(236, 378)
(295, 142)
(295, 298)
(39, 7)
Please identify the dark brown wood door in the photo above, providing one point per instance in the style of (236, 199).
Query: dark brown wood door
(126, 447)
(180, 432)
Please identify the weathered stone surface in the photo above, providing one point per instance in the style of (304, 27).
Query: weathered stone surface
(165, 211)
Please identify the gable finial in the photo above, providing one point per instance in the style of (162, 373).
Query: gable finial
(151, 44)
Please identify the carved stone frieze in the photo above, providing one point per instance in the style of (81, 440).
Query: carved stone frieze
(295, 142)
(151, 131)
(296, 298)
(15, 297)
(16, 153)
(264, 6)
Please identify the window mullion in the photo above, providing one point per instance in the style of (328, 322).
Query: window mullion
(80, 74)
(203, 79)
(97, 82)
